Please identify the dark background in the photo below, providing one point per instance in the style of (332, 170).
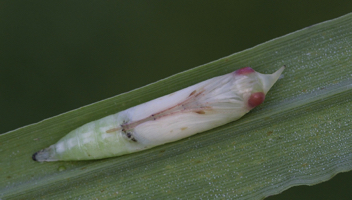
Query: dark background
(58, 56)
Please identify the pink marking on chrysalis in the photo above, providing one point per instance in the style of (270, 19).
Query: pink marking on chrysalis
(256, 99)
(244, 71)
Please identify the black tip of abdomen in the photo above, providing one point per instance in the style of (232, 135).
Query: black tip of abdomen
(33, 156)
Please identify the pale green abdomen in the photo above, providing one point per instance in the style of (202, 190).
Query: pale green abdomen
(94, 141)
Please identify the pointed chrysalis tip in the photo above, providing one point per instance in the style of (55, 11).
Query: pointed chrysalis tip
(279, 71)
(268, 80)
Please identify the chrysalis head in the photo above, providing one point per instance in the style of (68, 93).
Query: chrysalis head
(260, 84)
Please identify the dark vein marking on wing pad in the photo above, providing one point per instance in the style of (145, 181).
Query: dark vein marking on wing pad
(192, 93)
(201, 112)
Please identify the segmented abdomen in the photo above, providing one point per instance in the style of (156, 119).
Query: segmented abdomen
(92, 141)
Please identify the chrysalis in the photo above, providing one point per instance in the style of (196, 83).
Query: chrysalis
(195, 109)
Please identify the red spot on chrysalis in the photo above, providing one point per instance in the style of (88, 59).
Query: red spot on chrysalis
(256, 99)
(244, 71)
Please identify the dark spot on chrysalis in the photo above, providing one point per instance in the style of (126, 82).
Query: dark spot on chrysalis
(129, 135)
(201, 112)
(256, 99)
(192, 93)
(244, 71)
(183, 128)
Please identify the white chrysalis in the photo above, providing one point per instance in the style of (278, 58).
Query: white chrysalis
(195, 109)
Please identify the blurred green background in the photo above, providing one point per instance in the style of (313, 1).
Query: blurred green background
(58, 56)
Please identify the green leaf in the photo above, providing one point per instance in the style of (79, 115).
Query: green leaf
(301, 135)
